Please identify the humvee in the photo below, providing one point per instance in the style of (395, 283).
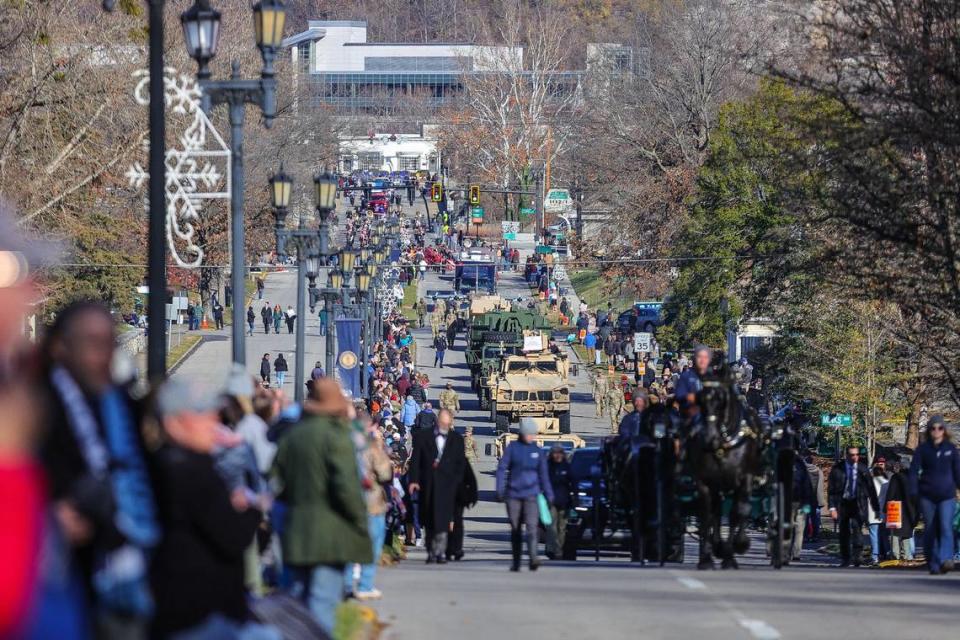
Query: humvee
(533, 383)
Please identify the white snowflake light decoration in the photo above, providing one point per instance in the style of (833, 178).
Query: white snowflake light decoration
(199, 170)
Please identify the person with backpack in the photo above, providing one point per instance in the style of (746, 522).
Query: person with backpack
(440, 348)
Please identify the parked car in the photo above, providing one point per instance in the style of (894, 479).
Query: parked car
(644, 318)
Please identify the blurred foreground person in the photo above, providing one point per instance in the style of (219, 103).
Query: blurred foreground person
(325, 524)
(40, 595)
(198, 571)
(96, 469)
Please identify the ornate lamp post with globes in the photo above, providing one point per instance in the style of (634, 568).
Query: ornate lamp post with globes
(310, 246)
(201, 31)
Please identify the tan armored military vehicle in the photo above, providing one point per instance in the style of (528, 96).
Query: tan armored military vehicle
(533, 383)
(548, 434)
(488, 304)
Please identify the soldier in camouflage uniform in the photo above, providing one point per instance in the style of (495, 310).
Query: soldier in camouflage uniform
(615, 405)
(449, 399)
(470, 445)
(600, 392)
(435, 319)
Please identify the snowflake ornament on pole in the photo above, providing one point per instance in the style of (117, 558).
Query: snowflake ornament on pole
(199, 170)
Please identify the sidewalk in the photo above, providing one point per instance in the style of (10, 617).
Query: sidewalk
(209, 364)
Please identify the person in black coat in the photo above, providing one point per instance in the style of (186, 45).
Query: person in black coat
(558, 467)
(898, 490)
(467, 497)
(197, 570)
(437, 465)
(849, 490)
(265, 368)
(416, 390)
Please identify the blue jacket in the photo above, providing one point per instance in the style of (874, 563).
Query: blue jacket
(590, 341)
(408, 412)
(935, 471)
(688, 383)
(522, 472)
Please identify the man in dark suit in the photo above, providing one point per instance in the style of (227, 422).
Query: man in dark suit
(436, 468)
(850, 488)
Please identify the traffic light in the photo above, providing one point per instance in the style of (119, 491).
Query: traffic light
(436, 192)
(475, 194)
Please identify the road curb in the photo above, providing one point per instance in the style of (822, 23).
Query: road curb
(186, 354)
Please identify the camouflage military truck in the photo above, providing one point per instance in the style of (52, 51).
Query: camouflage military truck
(493, 328)
(534, 383)
(548, 434)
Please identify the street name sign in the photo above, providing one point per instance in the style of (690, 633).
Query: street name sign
(836, 420)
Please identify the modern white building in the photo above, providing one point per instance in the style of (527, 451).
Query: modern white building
(355, 76)
(390, 152)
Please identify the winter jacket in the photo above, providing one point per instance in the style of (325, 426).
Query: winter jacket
(418, 393)
(316, 470)
(880, 484)
(409, 411)
(264, 367)
(280, 364)
(522, 472)
(426, 419)
(935, 471)
(560, 483)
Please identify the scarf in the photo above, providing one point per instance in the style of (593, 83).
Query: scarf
(120, 575)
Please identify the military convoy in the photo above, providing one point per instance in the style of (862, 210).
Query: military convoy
(515, 373)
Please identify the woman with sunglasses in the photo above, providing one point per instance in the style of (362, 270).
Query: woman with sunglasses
(935, 477)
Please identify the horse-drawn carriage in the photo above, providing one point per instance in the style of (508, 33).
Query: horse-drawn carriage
(678, 475)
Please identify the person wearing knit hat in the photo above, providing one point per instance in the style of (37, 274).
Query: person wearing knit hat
(521, 477)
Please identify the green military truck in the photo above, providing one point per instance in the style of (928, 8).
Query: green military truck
(494, 328)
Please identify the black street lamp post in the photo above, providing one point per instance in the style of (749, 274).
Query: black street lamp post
(310, 246)
(201, 31)
(157, 222)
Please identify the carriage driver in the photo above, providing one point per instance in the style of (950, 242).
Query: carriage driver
(691, 382)
(631, 423)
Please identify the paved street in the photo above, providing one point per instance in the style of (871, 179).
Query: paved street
(211, 360)
(479, 598)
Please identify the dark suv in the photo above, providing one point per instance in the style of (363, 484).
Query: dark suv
(637, 319)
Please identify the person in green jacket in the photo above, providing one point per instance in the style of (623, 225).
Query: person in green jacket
(326, 521)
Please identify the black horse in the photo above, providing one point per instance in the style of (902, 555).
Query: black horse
(637, 473)
(721, 448)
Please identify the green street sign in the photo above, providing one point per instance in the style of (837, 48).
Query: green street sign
(527, 211)
(476, 214)
(509, 236)
(836, 420)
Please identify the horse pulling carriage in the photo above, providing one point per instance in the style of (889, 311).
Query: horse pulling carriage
(727, 461)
